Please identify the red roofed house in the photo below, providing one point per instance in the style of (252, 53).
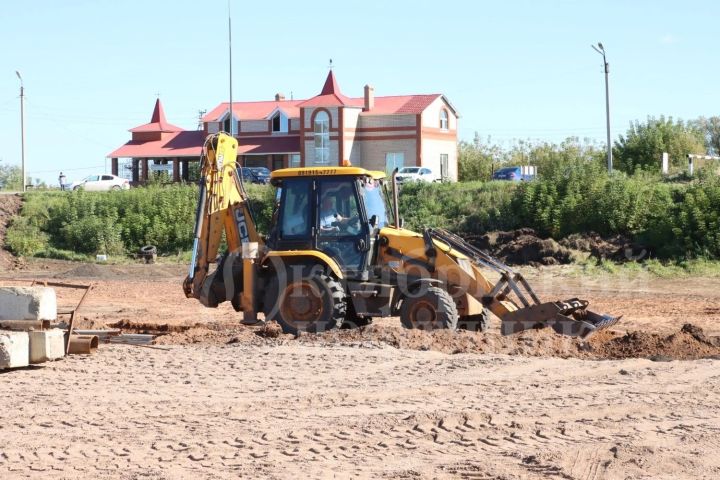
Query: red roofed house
(167, 146)
(373, 132)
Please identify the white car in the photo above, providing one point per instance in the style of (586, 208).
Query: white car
(101, 183)
(419, 174)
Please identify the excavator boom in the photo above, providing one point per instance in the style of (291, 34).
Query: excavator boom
(223, 207)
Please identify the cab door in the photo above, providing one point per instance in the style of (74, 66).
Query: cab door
(341, 226)
(295, 220)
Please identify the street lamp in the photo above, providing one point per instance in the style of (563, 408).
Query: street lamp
(601, 51)
(22, 128)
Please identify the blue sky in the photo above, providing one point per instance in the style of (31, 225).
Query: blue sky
(513, 69)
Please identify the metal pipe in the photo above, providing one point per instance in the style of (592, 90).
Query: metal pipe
(82, 344)
(232, 123)
(22, 129)
(396, 207)
(601, 50)
(199, 216)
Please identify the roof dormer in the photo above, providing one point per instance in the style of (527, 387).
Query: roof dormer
(279, 121)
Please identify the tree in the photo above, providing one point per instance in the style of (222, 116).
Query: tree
(475, 159)
(644, 143)
(710, 127)
(10, 177)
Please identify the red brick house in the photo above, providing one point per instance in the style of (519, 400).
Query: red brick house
(374, 132)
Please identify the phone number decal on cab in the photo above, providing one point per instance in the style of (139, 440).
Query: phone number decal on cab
(305, 173)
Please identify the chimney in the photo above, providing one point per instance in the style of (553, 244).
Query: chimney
(279, 97)
(369, 98)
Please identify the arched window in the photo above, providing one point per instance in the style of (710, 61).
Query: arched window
(443, 119)
(322, 138)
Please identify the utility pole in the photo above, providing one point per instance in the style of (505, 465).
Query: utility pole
(22, 128)
(601, 51)
(232, 123)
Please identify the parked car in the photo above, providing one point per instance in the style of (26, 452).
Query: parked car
(515, 174)
(419, 174)
(101, 183)
(259, 175)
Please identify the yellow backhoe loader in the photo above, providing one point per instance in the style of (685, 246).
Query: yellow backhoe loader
(335, 255)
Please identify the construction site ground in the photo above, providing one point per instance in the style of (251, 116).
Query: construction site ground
(215, 399)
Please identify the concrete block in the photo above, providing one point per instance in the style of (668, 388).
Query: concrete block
(28, 303)
(14, 349)
(46, 345)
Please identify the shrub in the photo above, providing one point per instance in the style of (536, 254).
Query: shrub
(25, 239)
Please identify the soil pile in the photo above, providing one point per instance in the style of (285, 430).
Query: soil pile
(523, 247)
(533, 343)
(687, 344)
(617, 248)
(91, 270)
(9, 207)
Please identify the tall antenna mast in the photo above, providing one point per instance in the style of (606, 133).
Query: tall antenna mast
(232, 123)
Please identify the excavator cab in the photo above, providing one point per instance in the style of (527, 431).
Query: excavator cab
(337, 215)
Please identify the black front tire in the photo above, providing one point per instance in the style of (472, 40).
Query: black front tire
(305, 301)
(432, 310)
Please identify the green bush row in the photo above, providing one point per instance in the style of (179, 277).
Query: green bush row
(112, 222)
(676, 220)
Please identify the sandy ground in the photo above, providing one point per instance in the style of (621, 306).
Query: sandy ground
(349, 406)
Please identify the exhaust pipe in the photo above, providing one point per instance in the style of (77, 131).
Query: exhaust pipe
(396, 206)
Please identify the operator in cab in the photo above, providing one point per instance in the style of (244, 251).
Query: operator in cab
(329, 217)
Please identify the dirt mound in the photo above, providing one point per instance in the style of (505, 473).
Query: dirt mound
(9, 207)
(91, 270)
(153, 328)
(617, 248)
(523, 247)
(687, 344)
(534, 342)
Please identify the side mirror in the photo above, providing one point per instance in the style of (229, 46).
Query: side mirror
(402, 223)
(373, 221)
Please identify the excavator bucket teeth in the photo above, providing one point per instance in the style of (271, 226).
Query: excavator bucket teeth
(573, 322)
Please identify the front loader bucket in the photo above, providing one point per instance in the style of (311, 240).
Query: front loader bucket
(571, 318)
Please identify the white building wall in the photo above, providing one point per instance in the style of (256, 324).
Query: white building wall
(431, 115)
(374, 152)
(352, 149)
(431, 151)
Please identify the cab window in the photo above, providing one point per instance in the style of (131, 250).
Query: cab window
(294, 209)
(372, 193)
(339, 214)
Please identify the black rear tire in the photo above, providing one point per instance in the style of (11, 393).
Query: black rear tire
(432, 310)
(305, 300)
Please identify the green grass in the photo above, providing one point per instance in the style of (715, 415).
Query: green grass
(699, 267)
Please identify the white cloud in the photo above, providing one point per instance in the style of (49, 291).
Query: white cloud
(668, 39)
